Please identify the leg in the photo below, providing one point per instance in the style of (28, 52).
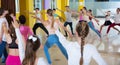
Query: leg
(65, 24)
(116, 28)
(112, 25)
(4, 56)
(2, 47)
(47, 54)
(49, 43)
(43, 28)
(62, 49)
(101, 28)
(35, 27)
(92, 27)
(70, 24)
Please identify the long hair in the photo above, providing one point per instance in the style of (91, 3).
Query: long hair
(50, 13)
(82, 29)
(30, 51)
(11, 29)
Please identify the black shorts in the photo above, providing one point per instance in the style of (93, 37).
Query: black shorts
(107, 23)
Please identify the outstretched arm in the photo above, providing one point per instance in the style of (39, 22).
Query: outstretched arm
(20, 40)
(97, 21)
(60, 10)
(62, 26)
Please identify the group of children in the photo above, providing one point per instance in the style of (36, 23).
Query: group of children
(23, 44)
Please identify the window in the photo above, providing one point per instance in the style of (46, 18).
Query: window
(74, 4)
(53, 4)
(17, 5)
(101, 0)
(38, 4)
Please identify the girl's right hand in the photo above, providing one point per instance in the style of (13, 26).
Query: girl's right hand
(15, 24)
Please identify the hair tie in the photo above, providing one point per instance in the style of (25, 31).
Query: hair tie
(32, 38)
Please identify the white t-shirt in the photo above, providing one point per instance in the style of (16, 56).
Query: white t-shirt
(117, 18)
(41, 61)
(38, 16)
(74, 55)
(2, 20)
(68, 16)
(108, 18)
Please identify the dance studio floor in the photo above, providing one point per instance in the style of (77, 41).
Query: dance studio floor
(109, 47)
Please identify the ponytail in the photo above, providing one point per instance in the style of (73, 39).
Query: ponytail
(82, 49)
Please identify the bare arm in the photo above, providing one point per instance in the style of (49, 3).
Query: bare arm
(93, 18)
(5, 30)
(62, 26)
(60, 10)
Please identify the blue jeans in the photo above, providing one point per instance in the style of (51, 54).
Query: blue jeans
(53, 39)
(3, 51)
(90, 24)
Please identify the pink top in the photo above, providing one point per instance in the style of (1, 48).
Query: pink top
(81, 17)
(25, 31)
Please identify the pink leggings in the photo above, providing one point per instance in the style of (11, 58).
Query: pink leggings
(13, 60)
(112, 25)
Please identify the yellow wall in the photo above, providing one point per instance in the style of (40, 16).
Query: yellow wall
(27, 5)
(81, 4)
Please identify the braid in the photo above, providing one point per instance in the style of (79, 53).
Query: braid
(82, 49)
(82, 29)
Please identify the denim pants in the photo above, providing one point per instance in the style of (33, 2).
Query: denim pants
(3, 51)
(53, 40)
(90, 24)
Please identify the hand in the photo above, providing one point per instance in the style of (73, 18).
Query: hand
(33, 16)
(15, 24)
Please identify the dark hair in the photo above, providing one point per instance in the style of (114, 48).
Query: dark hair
(1, 11)
(85, 8)
(54, 9)
(50, 13)
(30, 51)
(90, 10)
(11, 29)
(22, 19)
(82, 29)
(37, 9)
(108, 11)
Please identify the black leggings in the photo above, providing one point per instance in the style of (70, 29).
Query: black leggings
(70, 24)
(41, 26)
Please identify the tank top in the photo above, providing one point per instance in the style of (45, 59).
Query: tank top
(13, 44)
(86, 18)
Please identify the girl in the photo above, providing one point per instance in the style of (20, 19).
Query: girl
(25, 30)
(80, 52)
(28, 53)
(117, 21)
(107, 20)
(52, 25)
(13, 55)
(88, 17)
